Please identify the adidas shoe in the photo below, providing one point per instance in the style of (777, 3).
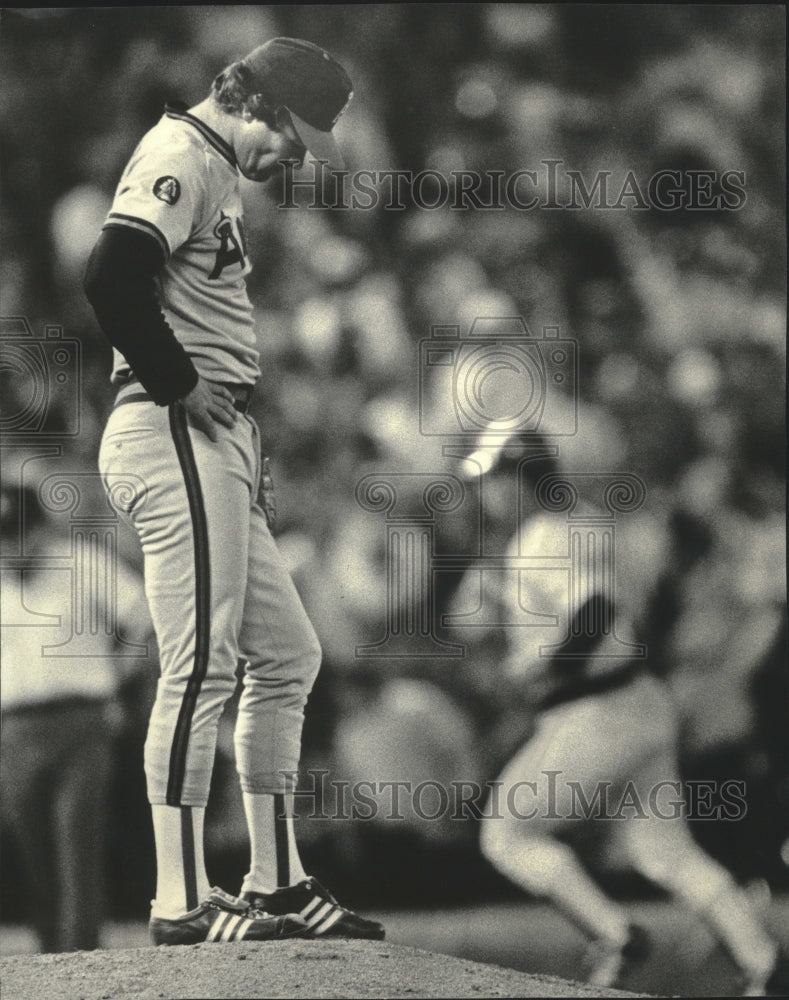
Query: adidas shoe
(321, 911)
(222, 917)
(612, 963)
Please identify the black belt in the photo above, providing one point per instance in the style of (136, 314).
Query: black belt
(242, 395)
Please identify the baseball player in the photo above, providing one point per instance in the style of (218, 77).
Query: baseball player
(166, 280)
(600, 771)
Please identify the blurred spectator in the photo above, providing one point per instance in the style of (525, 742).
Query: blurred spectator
(60, 718)
(731, 608)
(409, 731)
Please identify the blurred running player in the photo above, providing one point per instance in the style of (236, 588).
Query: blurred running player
(600, 772)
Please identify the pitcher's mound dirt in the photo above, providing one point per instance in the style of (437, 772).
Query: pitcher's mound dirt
(291, 969)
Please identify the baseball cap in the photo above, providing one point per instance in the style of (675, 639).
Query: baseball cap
(310, 83)
(497, 449)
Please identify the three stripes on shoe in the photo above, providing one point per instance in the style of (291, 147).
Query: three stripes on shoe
(229, 927)
(319, 914)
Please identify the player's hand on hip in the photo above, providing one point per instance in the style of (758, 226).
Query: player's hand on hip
(209, 404)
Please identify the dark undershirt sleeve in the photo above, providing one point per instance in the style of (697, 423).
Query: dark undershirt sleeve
(120, 285)
(586, 632)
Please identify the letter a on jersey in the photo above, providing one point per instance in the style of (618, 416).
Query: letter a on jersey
(230, 250)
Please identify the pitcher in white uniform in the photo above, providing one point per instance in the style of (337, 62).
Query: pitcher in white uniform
(167, 282)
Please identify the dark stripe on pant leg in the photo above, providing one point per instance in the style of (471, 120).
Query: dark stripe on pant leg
(202, 584)
(281, 841)
(188, 855)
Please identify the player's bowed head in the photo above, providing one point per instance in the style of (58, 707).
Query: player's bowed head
(280, 102)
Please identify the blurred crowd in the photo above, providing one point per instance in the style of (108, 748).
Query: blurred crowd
(679, 319)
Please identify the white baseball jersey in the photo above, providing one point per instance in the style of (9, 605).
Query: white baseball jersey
(181, 186)
(556, 587)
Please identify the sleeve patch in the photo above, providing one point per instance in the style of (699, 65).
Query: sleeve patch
(167, 189)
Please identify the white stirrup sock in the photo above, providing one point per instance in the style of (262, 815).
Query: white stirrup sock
(274, 856)
(181, 879)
